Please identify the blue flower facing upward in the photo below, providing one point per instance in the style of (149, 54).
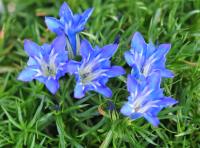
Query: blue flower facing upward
(70, 24)
(146, 98)
(47, 63)
(147, 58)
(94, 70)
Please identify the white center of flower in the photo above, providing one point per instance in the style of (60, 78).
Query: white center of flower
(87, 72)
(138, 105)
(148, 65)
(48, 68)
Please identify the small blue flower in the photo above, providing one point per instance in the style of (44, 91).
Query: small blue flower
(69, 24)
(47, 63)
(146, 58)
(146, 98)
(94, 70)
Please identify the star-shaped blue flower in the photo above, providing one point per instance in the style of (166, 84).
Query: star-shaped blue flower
(70, 24)
(147, 58)
(47, 63)
(146, 98)
(94, 70)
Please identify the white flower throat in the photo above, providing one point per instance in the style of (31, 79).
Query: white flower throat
(48, 68)
(87, 72)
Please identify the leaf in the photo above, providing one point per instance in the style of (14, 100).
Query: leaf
(11, 119)
(107, 141)
(61, 131)
(37, 113)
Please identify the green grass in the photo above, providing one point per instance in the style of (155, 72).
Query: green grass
(31, 117)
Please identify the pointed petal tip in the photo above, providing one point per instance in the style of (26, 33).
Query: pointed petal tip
(54, 25)
(168, 74)
(152, 119)
(138, 35)
(90, 9)
(126, 110)
(79, 91)
(19, 78)
(78, 96)
(108, 50)
(138, 43)
(129, 58)
(64, 6)
(27, 75)
(64, 3)
(115, 71)
(52, 85)
(27, 41)
(104, 90)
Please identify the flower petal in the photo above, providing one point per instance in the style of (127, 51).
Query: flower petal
(136, 72)
(138, 44)
(28, 74)
(85, 49)
(52, 85)
(154, 80)
(167, 101)
(32, 49)
(166, 73)
(54, 25)
(104, 90)
(65, 11)
(132, 84)
(152, 119)
(61, 58)
(72, 66)
(46, 49)
(162, 50)
(31, 62)
(84, 17)
(150, 49)
(72, 39)
(129, 58)
(108, 50)
(126, 109)
(79, 91)
(136, 115)
(41, 79)
(59, 44)
(115, 71)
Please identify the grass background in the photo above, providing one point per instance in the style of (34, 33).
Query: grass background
(31, 117)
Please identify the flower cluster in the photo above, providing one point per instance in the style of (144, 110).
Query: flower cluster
(49, 62)
(148, 67)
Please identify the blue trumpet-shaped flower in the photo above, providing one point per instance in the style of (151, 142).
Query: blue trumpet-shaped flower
(147, 58)
(70, 24)
(47, 63)
(146, 98)
(94, 70)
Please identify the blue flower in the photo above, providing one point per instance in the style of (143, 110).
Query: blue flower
(94, 70)
(146, 98)
(47, 63)
(147, 58)
(69, 24)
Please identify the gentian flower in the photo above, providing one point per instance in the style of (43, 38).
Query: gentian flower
(146, 98)
(94, 70)
(70, 24)
(47, 63)
(147, 58)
